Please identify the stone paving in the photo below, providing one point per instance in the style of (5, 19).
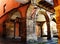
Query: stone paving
(44, 41)
(9, 41)
(40, 41)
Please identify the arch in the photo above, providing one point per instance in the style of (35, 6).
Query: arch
(47, 20)
(23, 11)
(12, 15)
(48, 24)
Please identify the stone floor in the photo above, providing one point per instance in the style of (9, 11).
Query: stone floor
(9, 41)
(40, 41)
(44, 41)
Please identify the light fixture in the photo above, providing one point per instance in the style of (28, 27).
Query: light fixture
(23, 1)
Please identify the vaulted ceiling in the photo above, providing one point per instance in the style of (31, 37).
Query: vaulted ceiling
(46, 4)
(7, 5)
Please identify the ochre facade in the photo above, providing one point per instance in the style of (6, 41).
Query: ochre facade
(12, 4)
(57, 12)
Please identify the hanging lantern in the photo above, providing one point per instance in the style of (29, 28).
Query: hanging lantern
(23, 1)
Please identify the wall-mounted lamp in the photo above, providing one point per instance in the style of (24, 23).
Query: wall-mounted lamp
(23, 1)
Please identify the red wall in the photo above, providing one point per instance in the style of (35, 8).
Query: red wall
(10, 4)
(1, 23)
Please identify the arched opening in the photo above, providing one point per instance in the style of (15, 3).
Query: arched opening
(31, 24)
(42, 21)
(11, 26)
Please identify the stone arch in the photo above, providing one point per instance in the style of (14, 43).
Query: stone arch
(48, 24)
(46, 17)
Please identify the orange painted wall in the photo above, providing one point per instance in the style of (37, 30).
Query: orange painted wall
(57, 12)
(56, 2)
(23, 11)
(1, 23)
(10, 4)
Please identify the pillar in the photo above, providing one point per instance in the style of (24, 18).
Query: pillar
(23, 11)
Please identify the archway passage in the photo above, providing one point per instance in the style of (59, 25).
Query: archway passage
(47, 23)
(30, 24)
(22, 19)
(12, 24)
